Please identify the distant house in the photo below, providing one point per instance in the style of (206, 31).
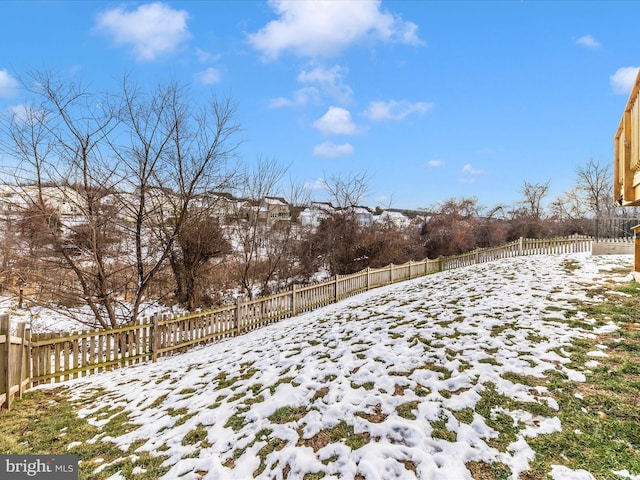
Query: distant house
(267, 211)
(396, 219)
(313, 215)
(63, 200)
(364, 216)
(13, 199)
(221, 206)
(66, 201)
(277, 210)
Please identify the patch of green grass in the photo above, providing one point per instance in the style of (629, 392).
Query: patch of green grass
(288, 414)
(224, 381)
(536, 338)
(313, 476)
(421, 391)
(445, 393)
(570, 265)
(236, 421)
(440, 430)
(272, 445)
(45, 422)
(492, 471)
(406, 410)
(446, 373)
(489, 361)
(366, 385)
(157, 402)
(601, 425)
(280, 381)
(343, 432)
(197, 435)
(498, 329)
(183, 419)
(464, 416)
(528, 380)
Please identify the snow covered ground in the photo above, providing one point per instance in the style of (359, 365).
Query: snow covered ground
(384, 385)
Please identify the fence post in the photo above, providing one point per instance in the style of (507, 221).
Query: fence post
(21, 334)
(238, 317)
(477, 256)
(390, 273)
(294, 305)
(520, 247)
(5, 329)
(335, 290)
(368, 278)
(410, 263)
(155, 337)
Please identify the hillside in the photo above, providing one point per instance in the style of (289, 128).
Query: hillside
(457, 375)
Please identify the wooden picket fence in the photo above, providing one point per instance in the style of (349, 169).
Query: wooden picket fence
(54, 357)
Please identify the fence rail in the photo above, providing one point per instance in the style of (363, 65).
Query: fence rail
(54, 357)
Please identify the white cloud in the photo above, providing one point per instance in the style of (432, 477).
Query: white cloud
(330, 81)
(25, 114)
(326, 27)
(332, 150)
(8, 85)
(588, 41)
(323, 81)
(336, 121)
(393, 110)
(209, 76)
(205, 57)
(152, 30)
(622, 81)
(469, 170)
(435, 163)
(467, 180)
(318, 184)
(300, 98)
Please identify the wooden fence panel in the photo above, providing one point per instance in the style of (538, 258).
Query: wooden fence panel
(15, 368)
(171, 334)
(79, 354)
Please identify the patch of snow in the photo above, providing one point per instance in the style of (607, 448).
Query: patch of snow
(626, 474)
(559, 472)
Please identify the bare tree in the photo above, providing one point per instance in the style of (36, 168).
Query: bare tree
(533, 194)
(259, 239)
(175, 154)
(59, 140)
(594, 181)
(452, 227)
(122, 169)
(338, 241)
(347, 191)
(200, 240)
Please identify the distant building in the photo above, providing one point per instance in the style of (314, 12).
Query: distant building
(396, 219)
(364, 216)
(313, 215)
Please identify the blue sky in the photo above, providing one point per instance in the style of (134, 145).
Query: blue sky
(434, 99)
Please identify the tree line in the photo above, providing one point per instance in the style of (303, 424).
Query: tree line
(141, 166)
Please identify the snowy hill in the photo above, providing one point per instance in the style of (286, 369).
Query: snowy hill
(394, 383)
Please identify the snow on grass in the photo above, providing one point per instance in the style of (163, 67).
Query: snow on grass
(414, 380)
